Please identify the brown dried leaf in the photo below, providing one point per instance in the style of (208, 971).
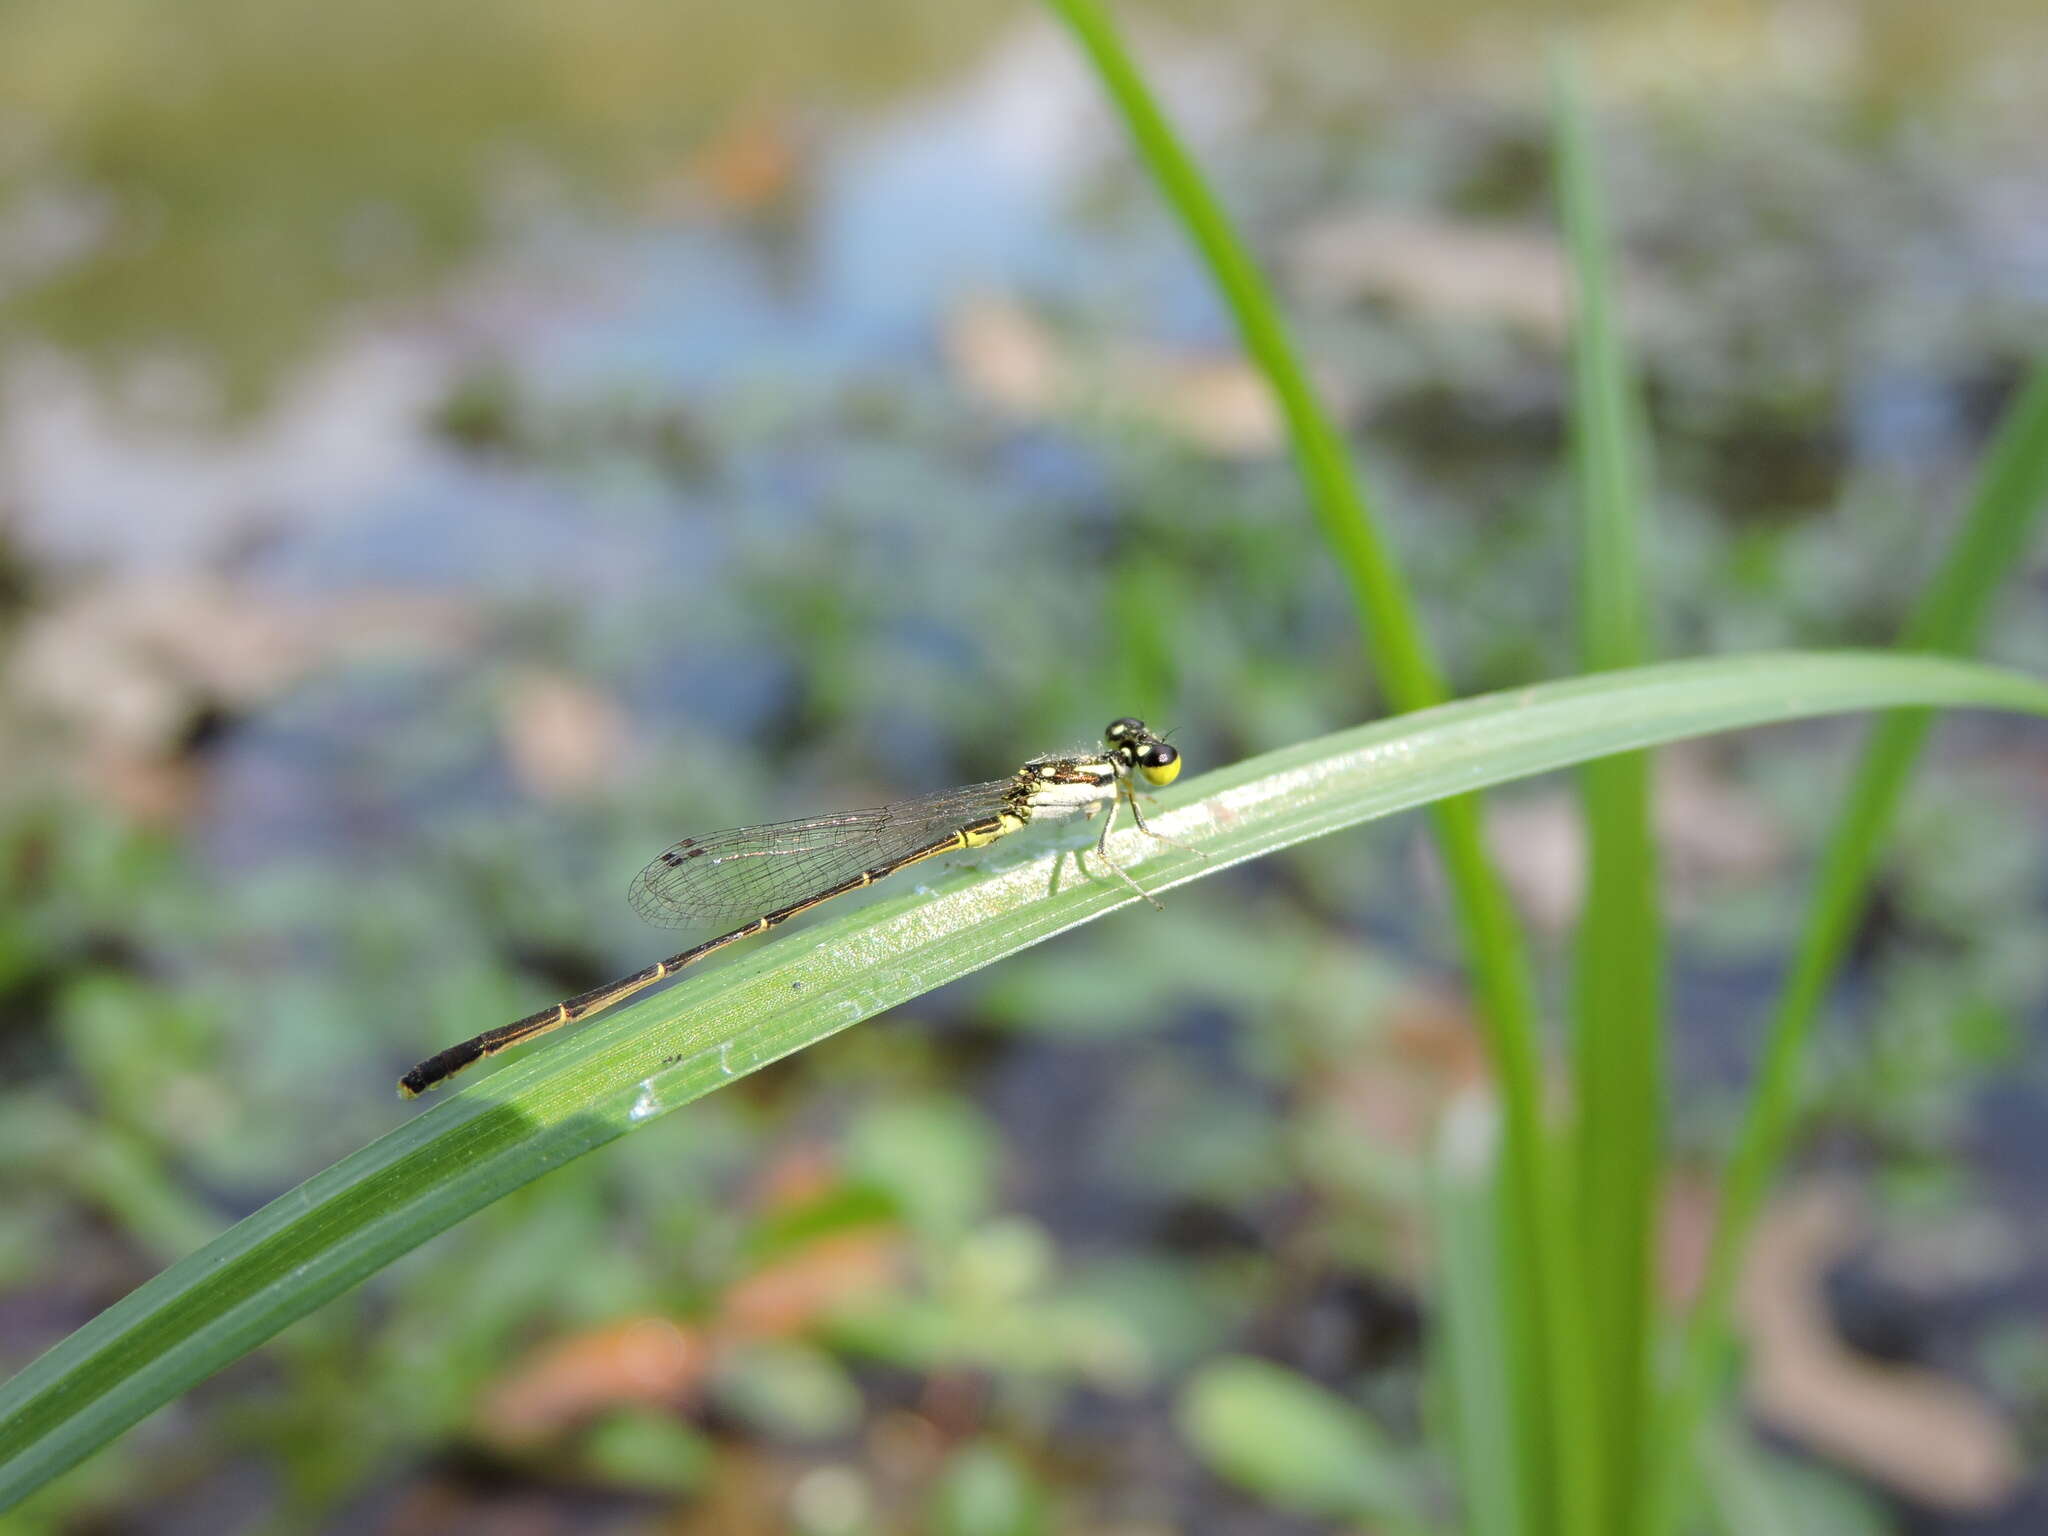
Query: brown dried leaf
(563, 737)
(1005, 356)
(651, 1361)
(127, 665)
(1219, 401)
(1905, 1427)
(1514, 277)
(809, 1286)
(757, 161)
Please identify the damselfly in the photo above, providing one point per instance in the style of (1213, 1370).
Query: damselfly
(762, 876)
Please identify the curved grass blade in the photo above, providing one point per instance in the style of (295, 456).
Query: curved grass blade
(626, 1071)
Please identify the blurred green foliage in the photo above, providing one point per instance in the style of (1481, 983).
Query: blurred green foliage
(1294, 1444)
(1096, 1198)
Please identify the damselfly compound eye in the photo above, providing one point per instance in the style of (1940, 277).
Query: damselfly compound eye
(1159, 763)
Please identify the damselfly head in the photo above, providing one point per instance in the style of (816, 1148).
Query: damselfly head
(1130, 740)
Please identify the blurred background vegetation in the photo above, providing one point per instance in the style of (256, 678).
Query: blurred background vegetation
(442, 463)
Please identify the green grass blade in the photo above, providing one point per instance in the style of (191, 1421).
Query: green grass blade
(1475, 1359)
(1343, 509)
(1336, 494)
(626, 1070)
(1991, 543)
(1617, 1060)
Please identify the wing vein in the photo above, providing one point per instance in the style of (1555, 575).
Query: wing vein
(739, 874)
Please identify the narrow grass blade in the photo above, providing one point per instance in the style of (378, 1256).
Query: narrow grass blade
(1992, 542)
(1617, 1059)
(626, 1070)
(1475, 1357)
(1486, 921)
